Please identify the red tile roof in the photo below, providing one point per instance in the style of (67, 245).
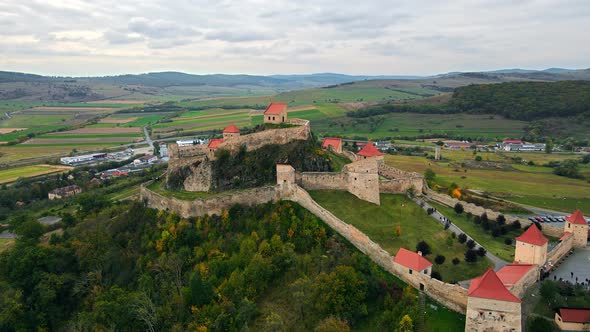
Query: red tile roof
(565, 235)
(231, 129)
(510, 274)
(577, 218)
(489, 286)
(533, 236)
(411, 259)
(369, 150)
(214, 143)
(335, 143)
(276, 108)
(575, 315)
(512, 141)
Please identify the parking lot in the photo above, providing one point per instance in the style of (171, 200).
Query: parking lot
(550, 219)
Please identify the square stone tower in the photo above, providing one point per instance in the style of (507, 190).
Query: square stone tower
(531, 247)
(578, 226)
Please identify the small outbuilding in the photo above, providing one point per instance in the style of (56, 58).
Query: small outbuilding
(230, 132)
(276, 113)
(413, 261)
(335, 144)
(573, 319)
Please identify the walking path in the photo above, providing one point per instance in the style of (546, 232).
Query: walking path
(498, 262)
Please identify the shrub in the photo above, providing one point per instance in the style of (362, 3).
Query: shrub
(458, 208)
(423, 247)
(484, 217)
(515, 224)
(496, 231)
(477, 220)
(470, 256)
(436, 275)
(501, 220)
(481, 252)
(469, 215)
(485, 224)
(456, 261)
(462, 238)
(478, 158)
(470, 244)
(508, 241)
(439, 259)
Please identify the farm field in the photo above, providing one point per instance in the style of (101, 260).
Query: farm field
(413, 125)
(521, 183)
(379, 223)
(495, 245)
(12, 174)
(13, 153)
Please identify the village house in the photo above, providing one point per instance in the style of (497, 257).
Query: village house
(145, 160)
(68, 191)
(413, 262)
(519, 145)
(370, 151)
(573, 319)
(163, 150)
(276, 113)
(331, 143)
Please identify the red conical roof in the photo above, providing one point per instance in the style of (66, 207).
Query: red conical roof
(577, 218)
(489, 286)
(231, 129)
(369, 150)
(533, 236)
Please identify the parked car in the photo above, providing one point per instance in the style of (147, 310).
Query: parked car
(532, 219)
(539, 219)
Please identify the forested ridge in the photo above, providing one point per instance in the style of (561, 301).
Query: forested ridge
(130, 268)
(515, 100)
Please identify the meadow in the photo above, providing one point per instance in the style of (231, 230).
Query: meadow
(524, 184)
(12, 174)
(380, 222)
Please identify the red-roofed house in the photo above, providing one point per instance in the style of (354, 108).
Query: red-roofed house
(332, 143)
(231, 131)
(370, 151)
(276, 113)
(412, 262)
(578, 226)
(531, 247)
(491, 306)
(573, 319)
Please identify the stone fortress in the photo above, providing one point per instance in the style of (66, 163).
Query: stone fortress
(492, 301)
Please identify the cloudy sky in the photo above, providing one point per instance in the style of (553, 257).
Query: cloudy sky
(415, 37)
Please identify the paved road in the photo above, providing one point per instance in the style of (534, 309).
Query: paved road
(498, 263)
(148, 140)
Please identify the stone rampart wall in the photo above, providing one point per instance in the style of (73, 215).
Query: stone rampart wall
(212, 205)
(396, 186)
(259, 139)
(560, 250)
(492, 215)
(526, 281)
(451, 296)
(321, 180)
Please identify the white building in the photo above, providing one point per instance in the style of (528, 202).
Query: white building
(147, 159)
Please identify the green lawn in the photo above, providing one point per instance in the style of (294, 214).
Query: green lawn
(563, 204)
(495, 245)
(5, 244)
(379, 223)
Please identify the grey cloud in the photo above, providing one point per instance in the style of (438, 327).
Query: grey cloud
(240, 36)
(159, 28)
(121, 38)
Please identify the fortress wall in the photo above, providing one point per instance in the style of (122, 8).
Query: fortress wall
(560, 250)
(550, 230)
(322, 180)
(259, 139)
(451, 296)
(526, 281)
(212, 205)
(393, 173)
(400, 186)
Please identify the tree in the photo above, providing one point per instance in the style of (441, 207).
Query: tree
(470, 256)
(515, 224)
(436, 275)
(501, 220)
(341, 293)
(429, 175)
(478, 158)
(332, 324)
(568, 168)
(470, 244)
(481, 252)
(484, 217)
(273, 322)
(439, 259)
(541, 324)
(423, 247)
(456, 261)
(549, 145)
(458, 208)
(462, 238)
(406, 324)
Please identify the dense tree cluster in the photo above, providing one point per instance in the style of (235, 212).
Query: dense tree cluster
(130, 268)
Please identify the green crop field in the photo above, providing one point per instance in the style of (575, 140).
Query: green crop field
(413, 124)
(12, 174)
(13, 153)
(532, 184)
(379, 223)
(143, 121)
